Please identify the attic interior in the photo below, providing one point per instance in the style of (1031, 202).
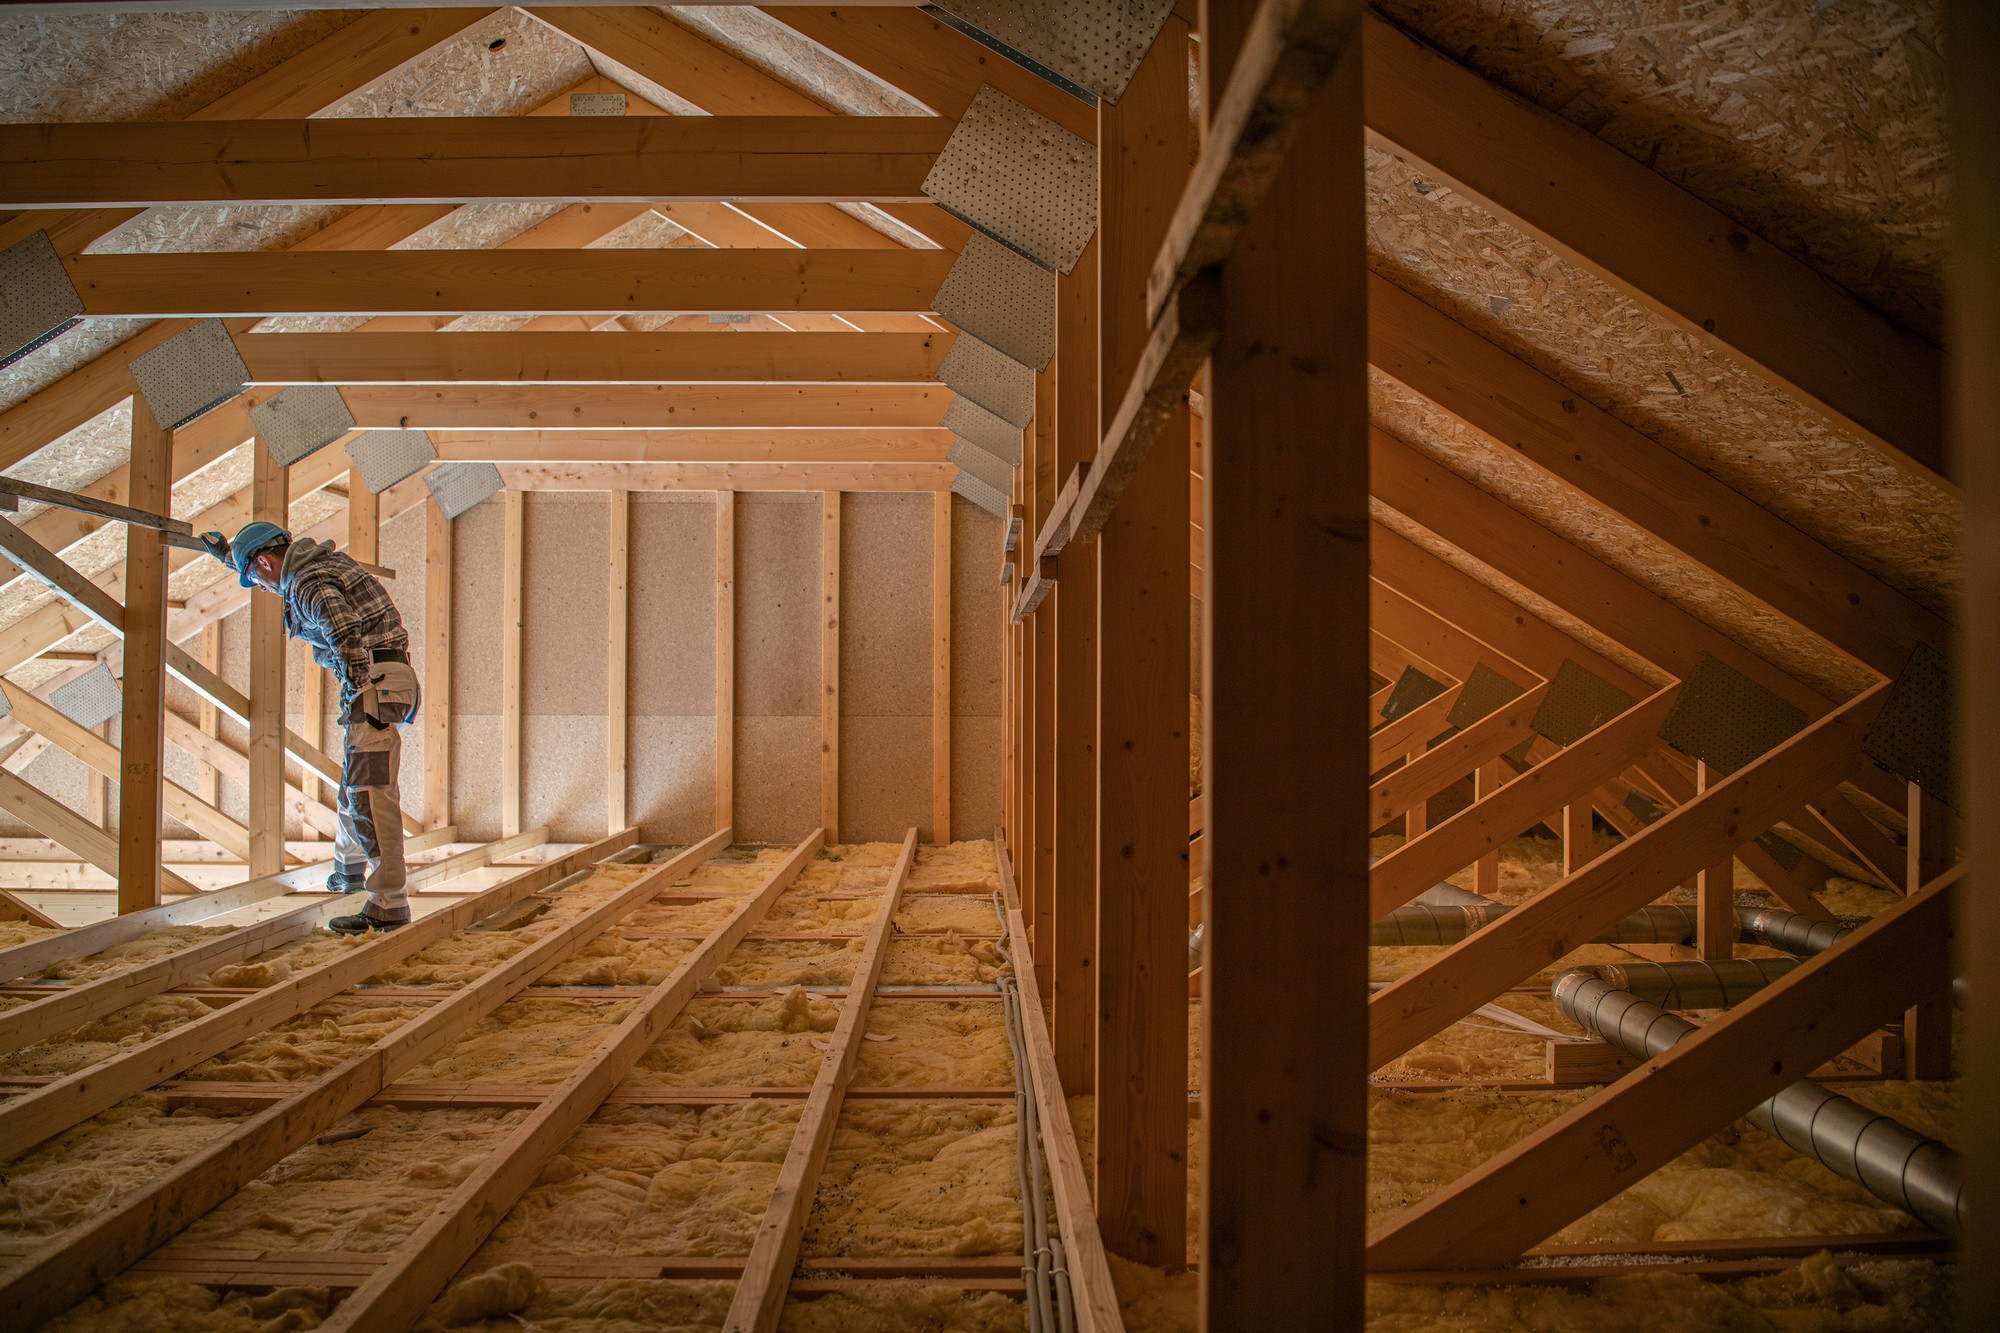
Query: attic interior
(1523, 474)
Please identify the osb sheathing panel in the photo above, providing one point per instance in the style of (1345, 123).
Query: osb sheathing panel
(1626, 548)
(1615, 353)
(777, 778)
(781, 51)
(975, 670)
(670, 663)
(1818, 126)
(402, 549)
(777, 604)
(476, 543)
(500, 66)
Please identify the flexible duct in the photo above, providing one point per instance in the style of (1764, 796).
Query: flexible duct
(1793, 932)
(1883, 1156)
(1719, 984)
(1447, 922)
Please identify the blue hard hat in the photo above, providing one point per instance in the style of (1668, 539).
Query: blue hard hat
(252, 538)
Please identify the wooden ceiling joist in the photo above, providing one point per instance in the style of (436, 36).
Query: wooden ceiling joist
(465, 282)
(694, 446)
(653, 406)
(464, 159)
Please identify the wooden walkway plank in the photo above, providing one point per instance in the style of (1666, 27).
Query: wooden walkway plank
(394, 1297)
(760, 1296)
(65, 1268)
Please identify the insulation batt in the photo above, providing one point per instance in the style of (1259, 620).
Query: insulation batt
(740, 1044)
(918, 1178)
(84, 1170)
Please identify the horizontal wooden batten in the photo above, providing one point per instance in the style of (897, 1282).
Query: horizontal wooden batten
(529, 282)
(595, 358)
(727, 476)
(462, 159)
(614, 407)
(805, 445)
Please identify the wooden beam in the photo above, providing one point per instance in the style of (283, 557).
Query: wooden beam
(760, 1296)
(465, 282)
(52, 819)
(725, 657)
(617, 575)
(208, 778)
(854, 447)
(1038, 849)
(142, 724)
(511, 574)
(1655, 242)
(674, 357)
(469, 159)
(1566, 916)
(1431, 771)
(727, 476)
(1614, 1140)
(657, 406)
(941, 667)
(829, 664)
(1142, 749)
(268, 503)
(1390, 741)
(437, 666)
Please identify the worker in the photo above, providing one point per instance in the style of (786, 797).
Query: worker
(345, 613)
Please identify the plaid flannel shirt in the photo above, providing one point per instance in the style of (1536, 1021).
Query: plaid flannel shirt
(339, 608)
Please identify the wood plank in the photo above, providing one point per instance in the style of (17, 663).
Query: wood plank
(836, 445)
(469, 159)
(269, 503)
(1037, 849)
(1563, 1170)
(1715, 892)
(617, 574)
(1391, 740)
(142, 726)
(1653, 241)
(52, 819)
(535, 282)
(208, 778)
(437, 666)
(1859, 837)
(725, 656)
(728, 476)
(1568, 915)
(658, 406)
(829, 665)
(941, 668)
(760, 1296)
(510, 663)
(59, 1272)
(1431, 771)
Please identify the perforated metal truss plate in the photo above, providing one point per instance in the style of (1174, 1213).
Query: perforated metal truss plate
(969, 421)
(458, 487)
(38, 302)
(1912, 735)
(1484, 691)
(1643, 807)
(979, 493)
(1725, 719)
(90, 699)
(1577, 704)
(301, 421)
(971, 458)
(992, 379)
(1097, 45)
(1017, 175)
(385, 457)
(1001, 298)
(190, 373)
(597, 104)
(1413, 690)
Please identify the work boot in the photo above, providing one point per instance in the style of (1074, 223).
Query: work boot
(360, 924)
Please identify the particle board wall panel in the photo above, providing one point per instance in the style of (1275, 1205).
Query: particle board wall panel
(564, 618)
(885, 609)
(476, 542)
(777, 607)
(777, 774)
(885, 777)
(475, 773)
(562, 774)
(671, 774)
(670, 665)
(976, 644)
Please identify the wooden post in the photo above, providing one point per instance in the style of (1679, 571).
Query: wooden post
(1715, 892)
(364, 520)
(1286, 485)
(208, 781)
(269, 502)
(829, 666)
(1039, 468)
(1486, 870)
(941, 667)
(617, 574)
(1927, 1026)
(725, 658)
(510, 665)
(1142, 749)
(142, 722)
(1073, 988)
(437, 666)
(1579, 838)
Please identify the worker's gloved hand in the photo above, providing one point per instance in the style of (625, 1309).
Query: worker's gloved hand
(217, 545)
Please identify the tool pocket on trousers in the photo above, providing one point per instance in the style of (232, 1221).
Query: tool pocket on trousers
(392, 694)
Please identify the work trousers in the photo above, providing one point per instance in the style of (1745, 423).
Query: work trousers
(368, 849)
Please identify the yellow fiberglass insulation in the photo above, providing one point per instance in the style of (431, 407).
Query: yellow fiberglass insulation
(364, 1194)
(740, 1044)
(534, 1039)
(168, 1305)
(790, 963)
(610, 960)
(961, 913)
(902, 1307)
(285, 961)
(23, 932)
(103, 1038)
(941, 960)
(810, 911)
(626, 1306)
(83, 1170)
(918, 1178)
(462, 958)
(125, 957)
(652, 1180)
(934, 1044)
(310, 1044)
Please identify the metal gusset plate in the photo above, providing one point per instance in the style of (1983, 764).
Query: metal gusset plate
(1577, 704)
(458, 487)
(1002, 298)
(969, 457)
(1485, 691)
(1643, 807)
(1779, 850)
(979, 493)
(1725, 719)
(1912, 735)
(1096, 45)
(190, 373)
(992, 379)
(597, 104)
(1413, 690)
(969, 421)
(301, 421)
(1019, 177)
(38, 302)
(91, 699)
(386, 457)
